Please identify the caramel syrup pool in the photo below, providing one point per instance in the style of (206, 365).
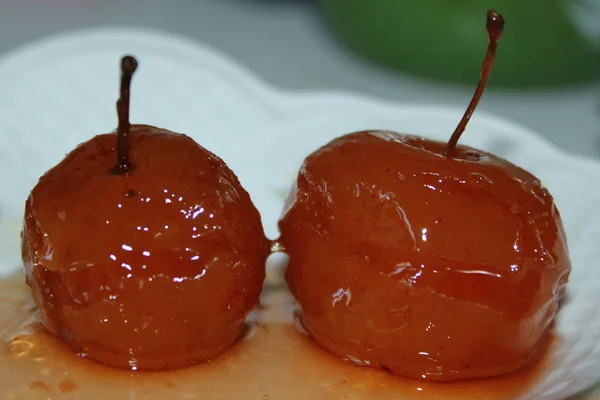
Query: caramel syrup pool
(274, 361)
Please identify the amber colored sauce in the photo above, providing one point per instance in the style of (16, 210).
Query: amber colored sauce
(427, 266)
(274, 361)
(156, 268)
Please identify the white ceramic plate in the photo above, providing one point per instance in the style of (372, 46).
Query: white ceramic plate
(59, 92)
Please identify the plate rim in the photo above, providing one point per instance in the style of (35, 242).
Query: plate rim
(278, 100)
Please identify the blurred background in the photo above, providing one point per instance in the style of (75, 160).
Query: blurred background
(547, 76)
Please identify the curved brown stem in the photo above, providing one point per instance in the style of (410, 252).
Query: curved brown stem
(495, 28)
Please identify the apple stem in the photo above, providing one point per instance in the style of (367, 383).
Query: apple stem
(495, 28)
(128, 66)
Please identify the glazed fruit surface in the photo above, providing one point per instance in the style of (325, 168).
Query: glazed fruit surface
(428, 266)
(153, 269)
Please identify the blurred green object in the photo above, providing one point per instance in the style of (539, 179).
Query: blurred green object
(545, 43)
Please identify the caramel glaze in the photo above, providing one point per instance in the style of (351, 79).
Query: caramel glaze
(427, 266)
(153, 269)
(273, 361)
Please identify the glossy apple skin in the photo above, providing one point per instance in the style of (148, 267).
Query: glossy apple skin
(430, 267)
(155, 269)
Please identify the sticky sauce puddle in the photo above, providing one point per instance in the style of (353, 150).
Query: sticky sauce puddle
(274, 361)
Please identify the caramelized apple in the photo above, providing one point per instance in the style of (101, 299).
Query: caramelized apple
(152, 264)
(430, 260)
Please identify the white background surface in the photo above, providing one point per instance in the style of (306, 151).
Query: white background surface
(285, 43)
